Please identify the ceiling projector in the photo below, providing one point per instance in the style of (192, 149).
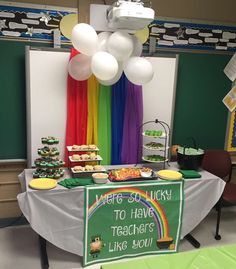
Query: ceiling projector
(131, 15)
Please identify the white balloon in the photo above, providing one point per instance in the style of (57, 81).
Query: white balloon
(102, 41)
(104, 65)
(84, 38)
(79, 67)
(138, 70)
(120, 45)
(115, 79)
(138, 47)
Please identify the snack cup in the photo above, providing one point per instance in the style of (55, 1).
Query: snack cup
(146, 174)
(100, 178)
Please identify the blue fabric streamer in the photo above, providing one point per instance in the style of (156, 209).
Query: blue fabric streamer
(119, 91)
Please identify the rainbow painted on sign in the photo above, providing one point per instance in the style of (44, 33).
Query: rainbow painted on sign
(159, 215)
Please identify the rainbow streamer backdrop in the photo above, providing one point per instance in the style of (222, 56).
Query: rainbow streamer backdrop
(117, 138)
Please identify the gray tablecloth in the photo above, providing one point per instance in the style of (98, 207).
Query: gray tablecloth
(57, 214)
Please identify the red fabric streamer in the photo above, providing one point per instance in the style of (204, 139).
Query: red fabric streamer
(77, 111)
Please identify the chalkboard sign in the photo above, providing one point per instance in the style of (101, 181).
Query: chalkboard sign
(13, 99)
(131, 220)
(199, 110)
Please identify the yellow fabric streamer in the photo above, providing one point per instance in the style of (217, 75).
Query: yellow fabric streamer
(92, 126)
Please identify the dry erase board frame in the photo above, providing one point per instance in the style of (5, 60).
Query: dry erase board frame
(159, 94)
(46, 78)
(46, 95)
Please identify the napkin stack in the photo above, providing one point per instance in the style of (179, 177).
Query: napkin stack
(70, 183)
(190, 173)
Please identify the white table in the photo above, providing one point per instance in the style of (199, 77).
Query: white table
(57, 215)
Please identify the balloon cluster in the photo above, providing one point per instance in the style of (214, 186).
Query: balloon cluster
(107, 55)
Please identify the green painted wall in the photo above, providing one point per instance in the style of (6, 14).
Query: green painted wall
(13, 99)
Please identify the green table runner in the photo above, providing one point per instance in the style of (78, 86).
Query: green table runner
(206, 258)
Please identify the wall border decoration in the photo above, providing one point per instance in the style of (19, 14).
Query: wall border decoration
(231, 135)
(20, 21)
(174, 34)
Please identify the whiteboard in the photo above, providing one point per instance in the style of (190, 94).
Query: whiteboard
(159, 93)
(46, 77)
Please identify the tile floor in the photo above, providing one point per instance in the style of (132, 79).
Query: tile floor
(19, 244)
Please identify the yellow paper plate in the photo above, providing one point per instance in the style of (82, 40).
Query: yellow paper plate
(43, 183)
(169, 175)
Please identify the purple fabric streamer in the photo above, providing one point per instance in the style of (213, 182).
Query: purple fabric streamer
(132, 132)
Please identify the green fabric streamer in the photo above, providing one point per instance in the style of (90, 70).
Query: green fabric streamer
(104, 123)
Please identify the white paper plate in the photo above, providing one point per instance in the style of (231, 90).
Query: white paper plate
(164, 135)
(154, 161)
(92, 171)
(69, 148)
(160, 148)
(99, 158)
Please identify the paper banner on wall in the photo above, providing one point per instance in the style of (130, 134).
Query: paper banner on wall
(230, 99)
(230, 69)
(231, 133)
(37, 22)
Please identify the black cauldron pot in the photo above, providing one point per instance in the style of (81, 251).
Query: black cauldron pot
(187, 160)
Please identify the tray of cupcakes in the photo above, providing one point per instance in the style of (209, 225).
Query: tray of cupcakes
(86, 157)
(79, 148)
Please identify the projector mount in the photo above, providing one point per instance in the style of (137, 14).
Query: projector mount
(128, 14)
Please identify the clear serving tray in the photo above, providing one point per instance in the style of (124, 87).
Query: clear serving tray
(152, 148)
(163, 135)
(69, 148)
(150, 161)
(86, 173)
(99, 158)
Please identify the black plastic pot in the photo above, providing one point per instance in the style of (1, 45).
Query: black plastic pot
(189, 162)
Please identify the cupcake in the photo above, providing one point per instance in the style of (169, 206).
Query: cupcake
(44, 140)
